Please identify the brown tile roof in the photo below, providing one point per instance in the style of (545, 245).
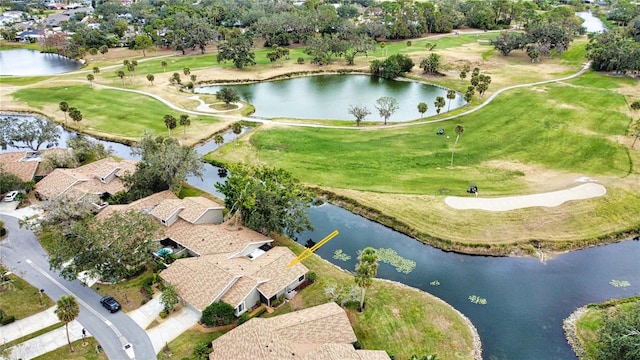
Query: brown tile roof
(199, 282)
(207, 239)
(195, 207)
(164, 210)
(146, 204)
(322, 332)
(211, 267)
(19, 164)
(84, 180)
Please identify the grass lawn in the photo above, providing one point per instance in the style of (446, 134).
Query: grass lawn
(82, 352)
(21, 81)
(182, 346)
(127, 293)
(21, 299)
(110, 112)
(589, 323)
(401, 320)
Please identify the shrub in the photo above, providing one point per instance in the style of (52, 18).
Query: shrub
(244, 318)
(7, 320)
(300, 60)
(312, 277)
(217, 314)
(163, 314)
(201, 350)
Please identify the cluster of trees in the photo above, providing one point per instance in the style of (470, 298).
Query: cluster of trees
(74, 113)
(552, 32)
(617, 50)
(392, 67)
(619, 333)
(28, 132)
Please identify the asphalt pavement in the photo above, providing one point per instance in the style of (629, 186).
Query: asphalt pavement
(21, 252)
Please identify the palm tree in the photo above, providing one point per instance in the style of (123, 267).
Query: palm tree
(64, 107)
(125, 62)
(120, 74)
(150, 77)
(90, 77)
(96, 70)
(75, 114)
(186, 71)
(170, 122)
(184, 122)
(67, 311)
(451, 94)
(422, 108)
(236, 128)
(164, 65)
(459, 130)
(366, 270)
(218, 139)
(193, 78)
(439, 104)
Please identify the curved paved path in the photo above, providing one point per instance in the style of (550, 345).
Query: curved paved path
(548, 199)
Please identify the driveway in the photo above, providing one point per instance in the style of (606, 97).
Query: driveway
(21, 252)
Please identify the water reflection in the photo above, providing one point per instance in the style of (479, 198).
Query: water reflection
(24, 62)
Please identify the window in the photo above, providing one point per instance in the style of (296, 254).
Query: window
(240, 307)
(301, 278)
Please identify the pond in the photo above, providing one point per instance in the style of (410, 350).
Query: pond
(591, 23)
(527, 300)
(330, 96)
(25, 62)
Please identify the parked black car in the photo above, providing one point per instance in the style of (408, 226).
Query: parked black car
(110, 304)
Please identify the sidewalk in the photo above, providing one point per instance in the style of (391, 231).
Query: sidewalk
(46, 342)
(28, 325)
(170, 328)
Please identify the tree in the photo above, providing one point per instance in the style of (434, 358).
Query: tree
(465, 70)
(150, 77)
(144, 43)
(451, 94)
(236, 128)
(218, 314)
(164, 65)
(459, 130)
(439, 104)
(267, 199)
(218, 139)
(28, 132)
(96, 70)
(75, 114)
(386, 106)
(422, 108)
(228, 95)
(184, 122)
(120, 74)
(86, 151)
(366, 270)
(619, 334)
(103, 49)
(169, 297)
(359, 112)
(170, 122)
(90, 77)
(507, 42)
(237, 48)
(67, 310)
(64, 107)
(431, 64)
(113, 248)
(186, 71)
(164, 165)
(9, 181)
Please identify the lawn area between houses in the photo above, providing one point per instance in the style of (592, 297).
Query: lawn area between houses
(21, 299)
(128, 293)
(590, 322)
(87, 352)
(182, 346)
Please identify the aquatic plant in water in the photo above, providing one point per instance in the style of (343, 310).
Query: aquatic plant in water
(392, 258)
(477, 300)
(340, 255)
(435, 283)
(619, 283)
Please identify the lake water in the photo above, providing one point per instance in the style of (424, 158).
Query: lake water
(330, 96)
(591, 23)
(527, 300)
(24, 62)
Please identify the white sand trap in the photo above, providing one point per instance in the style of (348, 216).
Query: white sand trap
(549, 199)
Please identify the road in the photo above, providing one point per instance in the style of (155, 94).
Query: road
(21, 252)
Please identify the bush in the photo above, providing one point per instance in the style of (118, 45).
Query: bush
(244, 318)
(312, 277)
(300, 60)
(201, 350)
(218, 314)
(163, 314)
(7, 320)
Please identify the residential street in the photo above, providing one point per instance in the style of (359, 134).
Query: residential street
(21, 252)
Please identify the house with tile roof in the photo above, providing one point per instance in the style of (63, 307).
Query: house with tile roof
(215, 262)
(26, 164)
(101, 178)
(321, 332)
